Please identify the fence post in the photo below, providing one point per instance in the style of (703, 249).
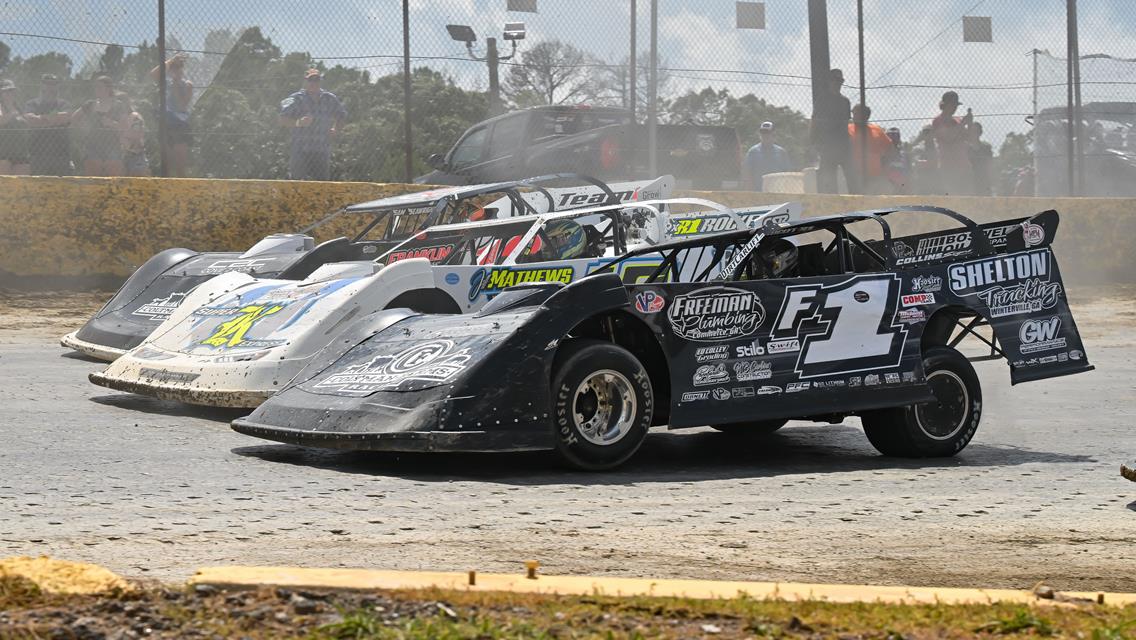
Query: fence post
(633, 66)
(163, 166)
(653, 95)
(406, 96)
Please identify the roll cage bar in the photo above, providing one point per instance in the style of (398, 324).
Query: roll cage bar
(746, 241)
(438, 205)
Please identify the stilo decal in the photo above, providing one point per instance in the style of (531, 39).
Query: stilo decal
(430, 363)
(490, 281)
(1008, 285)
(433, 254)
(715, 314)
(649, 302)
(1040, 335)
(160, 308)
(710, 374)
(231, 333)
(240, 266)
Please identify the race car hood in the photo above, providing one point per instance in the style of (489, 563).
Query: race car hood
(427, 381)
(152, 292)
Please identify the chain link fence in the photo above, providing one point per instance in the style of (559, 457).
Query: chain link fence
(235, 107)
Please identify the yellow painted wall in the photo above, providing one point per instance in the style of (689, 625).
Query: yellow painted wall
(83, 227)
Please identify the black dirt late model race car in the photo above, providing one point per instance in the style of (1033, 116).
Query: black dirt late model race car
(150, 295)
(805, 320)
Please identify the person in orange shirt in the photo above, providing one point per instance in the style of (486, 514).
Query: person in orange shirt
(879, 148)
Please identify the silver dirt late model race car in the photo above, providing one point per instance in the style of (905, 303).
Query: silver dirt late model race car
(153, 291)
(805, 320)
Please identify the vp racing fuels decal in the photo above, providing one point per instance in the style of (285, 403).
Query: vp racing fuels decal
(841, 328)
(429, 363)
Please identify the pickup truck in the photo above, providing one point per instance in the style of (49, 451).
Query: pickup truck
(598, 141)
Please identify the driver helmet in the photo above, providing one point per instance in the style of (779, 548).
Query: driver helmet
(782, 258)
(566, 239)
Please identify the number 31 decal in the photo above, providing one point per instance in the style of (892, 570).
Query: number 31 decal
(841, 328)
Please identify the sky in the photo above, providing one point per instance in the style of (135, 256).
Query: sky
(906, 43)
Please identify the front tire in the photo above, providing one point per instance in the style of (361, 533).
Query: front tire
(940, 428)
(603, 403)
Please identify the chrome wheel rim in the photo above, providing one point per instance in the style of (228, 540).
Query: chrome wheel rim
(947, 414)
(604, 407)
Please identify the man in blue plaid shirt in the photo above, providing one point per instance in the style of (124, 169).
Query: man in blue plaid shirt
(314, 116)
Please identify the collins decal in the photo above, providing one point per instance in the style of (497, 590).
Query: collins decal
(491, 281)
(716, 313)
(431, 363)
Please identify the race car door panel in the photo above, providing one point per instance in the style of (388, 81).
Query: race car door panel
(752, 350)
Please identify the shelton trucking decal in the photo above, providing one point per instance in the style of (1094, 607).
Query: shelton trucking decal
(1008, 285)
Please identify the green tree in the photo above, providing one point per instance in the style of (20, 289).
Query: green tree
(745, 114)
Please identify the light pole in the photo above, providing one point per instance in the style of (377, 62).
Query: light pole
(514, 31)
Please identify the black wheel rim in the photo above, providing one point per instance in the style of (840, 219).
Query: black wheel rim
(946, 415)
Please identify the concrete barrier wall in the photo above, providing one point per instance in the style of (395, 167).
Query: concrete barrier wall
(101, 229)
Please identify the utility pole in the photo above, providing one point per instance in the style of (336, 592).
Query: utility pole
(818, 48)
(163, 166)
(634, 67)
(1080, 130)
(406, 95)
(494, 85)
(653, 95)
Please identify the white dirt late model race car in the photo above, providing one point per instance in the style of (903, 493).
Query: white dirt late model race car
(237, 339)
(156, 288)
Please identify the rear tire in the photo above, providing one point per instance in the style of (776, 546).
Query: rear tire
(755, 428)
(603, 403)
(939, 428)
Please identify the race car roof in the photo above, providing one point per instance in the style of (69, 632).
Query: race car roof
(429, 197)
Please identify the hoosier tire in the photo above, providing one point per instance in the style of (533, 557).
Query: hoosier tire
(755, 428)
(603, 403)
(939, 428)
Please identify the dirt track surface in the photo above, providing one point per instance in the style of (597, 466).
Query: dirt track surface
(151, 488)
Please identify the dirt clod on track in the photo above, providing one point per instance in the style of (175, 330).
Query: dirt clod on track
(60, 576)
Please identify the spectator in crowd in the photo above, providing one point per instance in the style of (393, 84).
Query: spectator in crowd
(898, 169)
(13, 133)
(870, 145)
(134, 161)
(48, 116)
(952, 139)
(103, 119)
(765, 157)
(981, 160)
(314, 116)
(829, 135)
(925, 163)
(179, 94)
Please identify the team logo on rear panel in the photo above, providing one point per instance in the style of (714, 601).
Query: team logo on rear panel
(715, 314)
(429, 363)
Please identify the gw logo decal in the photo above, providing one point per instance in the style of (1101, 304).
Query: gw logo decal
(491, 281)
(839, 331)
(232, 332)
(428, 363)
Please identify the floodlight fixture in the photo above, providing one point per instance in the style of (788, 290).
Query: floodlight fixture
(462, 33)
(514, 31)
